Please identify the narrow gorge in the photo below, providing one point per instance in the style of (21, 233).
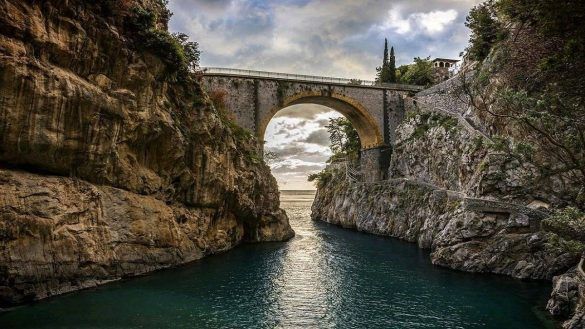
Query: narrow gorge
(121, 157)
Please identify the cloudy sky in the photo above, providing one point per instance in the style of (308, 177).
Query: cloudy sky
(339, 38)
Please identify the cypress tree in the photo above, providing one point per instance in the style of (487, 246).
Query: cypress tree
(387, 72)
(392, 67)
(385, 60)
(382, 71)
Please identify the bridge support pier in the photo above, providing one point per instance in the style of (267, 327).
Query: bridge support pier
(374, 163)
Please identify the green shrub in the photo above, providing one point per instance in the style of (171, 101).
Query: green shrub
(558, 243)
(419, 73)
(485, 30)
(321, 178)
(175, 50)
(500, 144)
(478, 143)
(142, 19)
(345, 141)
(569, 223)
(431, 120)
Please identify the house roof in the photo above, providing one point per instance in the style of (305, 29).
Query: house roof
(445, 60)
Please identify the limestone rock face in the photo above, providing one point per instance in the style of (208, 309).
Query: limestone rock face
(61, 234)
(157, 178)
(467, 158)
(567, 299)
(463, 233)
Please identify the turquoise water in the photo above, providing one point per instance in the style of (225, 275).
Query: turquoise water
(326, 277)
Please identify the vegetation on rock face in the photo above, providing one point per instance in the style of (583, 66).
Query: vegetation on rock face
(535, 96)
(321, 178)
(427, 120)
(345, 146)
(485, 30)
(555, 242)
(345, 141)
(569, 223)
(180, 54)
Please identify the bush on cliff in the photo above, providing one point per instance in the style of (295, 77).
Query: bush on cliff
(345, 146)
(569, 223)
(180, 54)
(345, 141)
(485, 30)
(321, 178)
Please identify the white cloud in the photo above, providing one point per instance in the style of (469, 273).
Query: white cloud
(414, 24)
(292, 136)
(396, 22)
(436, 21)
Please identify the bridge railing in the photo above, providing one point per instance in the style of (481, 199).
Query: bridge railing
(303, 77)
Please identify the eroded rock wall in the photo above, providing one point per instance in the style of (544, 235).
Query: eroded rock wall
(110, 165)
(463, 233)
(476, 201)
(568, 298)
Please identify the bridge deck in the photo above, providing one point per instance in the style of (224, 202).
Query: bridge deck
(219, 71)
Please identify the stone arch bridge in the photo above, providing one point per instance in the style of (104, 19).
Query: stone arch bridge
(252, 98)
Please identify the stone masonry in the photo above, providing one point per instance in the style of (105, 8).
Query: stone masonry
(375, 111)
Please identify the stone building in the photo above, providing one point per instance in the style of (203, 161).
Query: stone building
(443, 69)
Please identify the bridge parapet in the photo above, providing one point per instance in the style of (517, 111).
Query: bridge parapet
(308, 78)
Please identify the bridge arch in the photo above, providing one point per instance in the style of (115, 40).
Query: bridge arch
(365, 124)
(252, 98)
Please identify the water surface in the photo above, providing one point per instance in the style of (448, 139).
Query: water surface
(326, 277)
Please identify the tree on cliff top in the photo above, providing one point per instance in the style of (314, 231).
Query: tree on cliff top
(180, 54)
(345, 145)
(345, 141)
(419, 73)
(485, 30)
(392, 66)
(387, 72)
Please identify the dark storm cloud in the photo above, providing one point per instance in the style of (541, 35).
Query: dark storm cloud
(298, 151)
(286, 152)
(319, 137)
(287, 129)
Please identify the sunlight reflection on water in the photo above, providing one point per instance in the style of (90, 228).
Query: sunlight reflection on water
(326, 277)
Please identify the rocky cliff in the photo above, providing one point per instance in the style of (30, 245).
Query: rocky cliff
(568, 298)
(112, 162)
(477, 202)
